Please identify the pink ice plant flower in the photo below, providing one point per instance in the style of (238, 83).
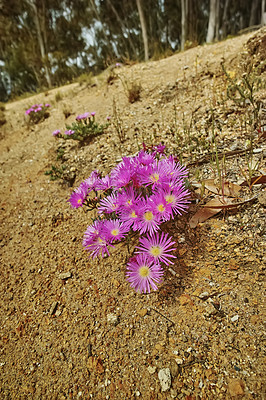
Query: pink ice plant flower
(143, 274)
(161, 207)
(82, 116)
(91, 182)
(115, 229)
(177, 198)
(92, 233)
(131, 216)
(69, 132)
(77, 198)
(148, 220)
(155, 174)
(56, 132)
(95, 240)
(122, 174)
(108, 204)
(157, 246)
(127, 198)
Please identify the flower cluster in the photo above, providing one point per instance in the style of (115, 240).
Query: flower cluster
(138, 195)
(83, 129)
(38, 112)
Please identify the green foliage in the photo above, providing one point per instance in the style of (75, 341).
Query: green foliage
(58, 96)
(242, 90)
(85, 79)
(118, 123)
(56, 173)
(38, 113)
(43, 43)
(83, 129)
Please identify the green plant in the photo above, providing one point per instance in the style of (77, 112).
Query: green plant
(251, 168)
(133, 92)
(58, 97)
(241, 90)
(83, 129)
(2, 114)
(117, 123)
(85, 79)
(37, 113)
(55, 172)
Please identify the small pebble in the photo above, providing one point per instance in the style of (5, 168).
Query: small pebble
(112, 319)
(65, 275)
(235, 318)
(164, 376)
(203, 295)
(151, 369)
(53, 307)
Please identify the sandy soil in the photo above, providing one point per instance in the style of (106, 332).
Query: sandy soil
(87, 334)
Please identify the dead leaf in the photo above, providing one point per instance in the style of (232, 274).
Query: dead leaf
(95, 364)
(228, 188)
(204, 213)
(213, 207)
(256, 180)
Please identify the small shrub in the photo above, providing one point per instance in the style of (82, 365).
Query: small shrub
(38, 112)
(83, 130)
(85, 79)
(133, 91)
(58, 97)
(2, 114)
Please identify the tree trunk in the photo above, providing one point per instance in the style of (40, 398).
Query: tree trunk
(253, 20)
(212, 22)
(217, 18)
(263, 13)
(184, 14)
(143, 29)
(224, 28)
(123, 27)
(40, 40)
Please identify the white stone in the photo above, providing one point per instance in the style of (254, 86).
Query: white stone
(235, 318)
(112, 319)
(151, 369)
(164, 376)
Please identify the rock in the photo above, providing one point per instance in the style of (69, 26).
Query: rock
(204, 295)
(173, 393)
(235, 318)
(53, 307)
(164, 376)
(142, 312)
(236, 387)
(65, 275)
(262, 198)
(112, 319)
(184, 299)
(151, 369)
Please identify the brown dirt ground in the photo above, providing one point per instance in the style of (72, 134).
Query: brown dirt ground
(205, 323)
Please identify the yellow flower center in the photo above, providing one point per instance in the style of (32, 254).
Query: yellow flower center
(155, 251)
(144, 271)
(155, 177)
(79, 201)
(161, 208)
(100, 240)
(169, 198)
(129, 202)
(114, 232)
(133, 214)
(148, 216)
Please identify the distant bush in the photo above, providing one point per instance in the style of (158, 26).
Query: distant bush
(83, 129)
(38, 112)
